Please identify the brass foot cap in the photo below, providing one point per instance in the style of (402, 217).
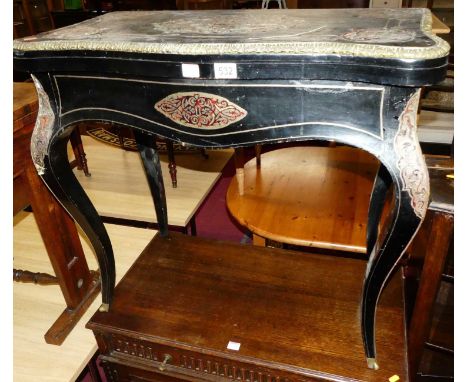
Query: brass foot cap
(372, 364)
(104, 308)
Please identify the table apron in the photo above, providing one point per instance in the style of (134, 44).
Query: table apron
(217, 113)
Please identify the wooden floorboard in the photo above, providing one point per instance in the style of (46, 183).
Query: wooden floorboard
(35, 307)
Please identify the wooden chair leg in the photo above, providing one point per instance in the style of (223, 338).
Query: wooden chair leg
(80, 156)
(20, 275)
(172, 164)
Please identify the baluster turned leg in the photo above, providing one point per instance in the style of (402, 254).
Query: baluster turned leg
(34, 277)
(172, 164)
(80, 155)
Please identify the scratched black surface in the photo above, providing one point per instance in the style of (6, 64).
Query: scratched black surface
(391, 27)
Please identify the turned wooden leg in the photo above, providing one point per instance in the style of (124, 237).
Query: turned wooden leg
(121, 137)
(77, 145)
(172, 164)
(34, 277)
(239, 159)
(258, 155)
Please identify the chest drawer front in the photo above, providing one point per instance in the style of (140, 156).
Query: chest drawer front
(219, 113)
(191, 364)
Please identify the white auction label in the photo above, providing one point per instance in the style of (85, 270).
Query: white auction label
(190, 71)
(225, 70)
(233, 345)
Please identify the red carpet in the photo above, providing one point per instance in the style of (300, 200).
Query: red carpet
(213, 219)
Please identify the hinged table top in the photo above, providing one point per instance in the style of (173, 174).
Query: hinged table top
(376, 33)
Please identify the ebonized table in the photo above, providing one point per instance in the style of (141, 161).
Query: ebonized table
(239, 78)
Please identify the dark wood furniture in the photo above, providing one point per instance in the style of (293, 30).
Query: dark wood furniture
(31, 17)
(431, 330)
(78, 284)
(192, 77)
(186, 299)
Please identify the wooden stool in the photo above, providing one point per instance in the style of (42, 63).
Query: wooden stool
(79, 285)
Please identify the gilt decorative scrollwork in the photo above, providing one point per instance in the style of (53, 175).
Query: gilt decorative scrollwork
(411, 164)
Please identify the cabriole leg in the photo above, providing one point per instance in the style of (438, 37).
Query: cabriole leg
(49, 154)
(382, 183)
(150, 159)
(60, 179)
(407, 168)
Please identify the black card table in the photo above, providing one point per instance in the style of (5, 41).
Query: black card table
(240, 78)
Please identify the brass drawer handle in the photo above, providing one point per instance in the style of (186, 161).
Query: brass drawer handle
(167, 358)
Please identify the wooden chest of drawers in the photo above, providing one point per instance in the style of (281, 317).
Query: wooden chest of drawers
(188, 303)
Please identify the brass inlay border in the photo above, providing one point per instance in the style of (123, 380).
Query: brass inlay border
(439, 49)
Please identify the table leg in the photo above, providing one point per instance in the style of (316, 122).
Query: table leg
(193, 226)
(149, 156)
(408, 171)
(60, 179)
(382, 184)
(258, 240)
(258, 155)
(239, 159)
(50, 158)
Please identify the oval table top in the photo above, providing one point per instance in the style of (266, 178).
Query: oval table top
(307, 196)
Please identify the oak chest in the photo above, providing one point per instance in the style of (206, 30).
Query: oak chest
(196, 309)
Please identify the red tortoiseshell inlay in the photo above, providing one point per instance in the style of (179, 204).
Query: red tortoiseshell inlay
(200, 110)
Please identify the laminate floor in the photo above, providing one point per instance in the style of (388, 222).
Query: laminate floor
(118, 187)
